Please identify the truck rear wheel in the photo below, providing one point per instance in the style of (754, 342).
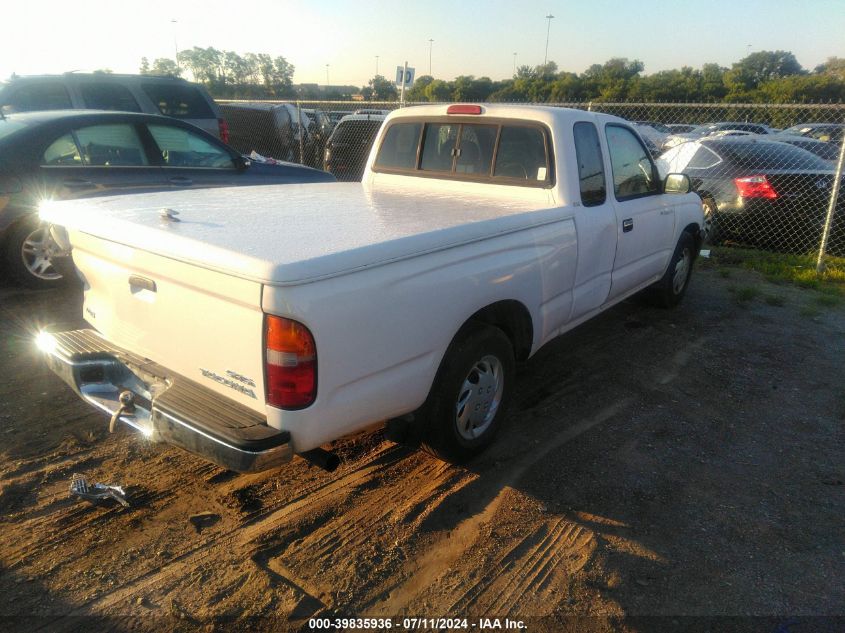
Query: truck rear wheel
(470, 395)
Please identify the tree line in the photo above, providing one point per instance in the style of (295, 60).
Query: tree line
(761, 77)
(228, 74)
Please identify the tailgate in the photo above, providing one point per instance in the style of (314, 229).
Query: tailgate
(203, 324)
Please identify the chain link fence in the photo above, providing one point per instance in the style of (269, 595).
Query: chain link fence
(768, 174)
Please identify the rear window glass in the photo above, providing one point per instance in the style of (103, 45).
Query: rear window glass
(439, 146)
(361, 132)
(399, 147)
(522, 154)
(178, 100)
(770, 156)
(702, 159)
(108, 96)
(475, 152)
(50, 95)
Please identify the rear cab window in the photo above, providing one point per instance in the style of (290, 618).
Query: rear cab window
(497, 151)
(178, 100)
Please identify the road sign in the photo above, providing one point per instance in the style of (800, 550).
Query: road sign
(408, 74)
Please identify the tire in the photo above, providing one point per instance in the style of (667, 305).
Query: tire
(710, 228)
(469, 396)
(28, 254)
(672, 287)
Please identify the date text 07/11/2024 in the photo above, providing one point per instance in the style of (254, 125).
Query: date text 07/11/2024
(411, 624)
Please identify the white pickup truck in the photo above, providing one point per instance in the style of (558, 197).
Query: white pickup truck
(249, 325)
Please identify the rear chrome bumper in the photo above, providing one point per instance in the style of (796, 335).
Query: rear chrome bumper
(167, 407)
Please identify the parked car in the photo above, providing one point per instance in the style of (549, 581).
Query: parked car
(275, 130)
(72, 153)
(820, 131)
(320, 127)
(679, 128)
(349, 145)
(765, 192)
(655, 137)
(153, 94)
(709, 129)
(822, 149)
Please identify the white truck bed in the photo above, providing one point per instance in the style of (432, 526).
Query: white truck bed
(368, 228)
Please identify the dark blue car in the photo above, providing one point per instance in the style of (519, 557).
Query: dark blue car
(71, 154)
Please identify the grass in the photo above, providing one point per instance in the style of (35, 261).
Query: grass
(798, 270)
(774, 300)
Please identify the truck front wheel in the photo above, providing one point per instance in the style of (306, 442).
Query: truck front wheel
(669, 291)
(470, 395)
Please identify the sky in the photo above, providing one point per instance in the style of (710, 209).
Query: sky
(471, 37)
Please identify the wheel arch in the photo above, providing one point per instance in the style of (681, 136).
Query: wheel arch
(510, 316)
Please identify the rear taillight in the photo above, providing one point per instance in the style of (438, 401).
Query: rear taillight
(224, 130)
(291, 362)
(755, 187)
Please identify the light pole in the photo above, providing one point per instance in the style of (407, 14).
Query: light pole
(327, 77)
(548, 28)
(514, 64)
(430, 46)
(175, 45)
(376, 65)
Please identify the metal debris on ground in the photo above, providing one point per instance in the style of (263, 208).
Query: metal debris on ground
(98, 492)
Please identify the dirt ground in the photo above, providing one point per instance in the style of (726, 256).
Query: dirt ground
(659, 470)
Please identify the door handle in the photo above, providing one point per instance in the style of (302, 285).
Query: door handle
(141, 283)
(77, 183)
(627, 225)
(181, 181)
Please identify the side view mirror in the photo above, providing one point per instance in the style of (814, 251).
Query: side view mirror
(241, 162)
(677, 183)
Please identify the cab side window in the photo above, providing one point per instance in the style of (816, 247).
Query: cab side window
(634, 173)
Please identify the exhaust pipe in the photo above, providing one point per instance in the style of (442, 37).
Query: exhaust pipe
(322, 458)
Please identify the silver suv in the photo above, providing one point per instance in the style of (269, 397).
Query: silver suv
(151, 94)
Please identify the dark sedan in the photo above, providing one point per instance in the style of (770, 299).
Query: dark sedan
(71, 154)
(768, 193)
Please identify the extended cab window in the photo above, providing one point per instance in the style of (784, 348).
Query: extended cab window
(634, 173)
(590, 164)
(499, 152)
